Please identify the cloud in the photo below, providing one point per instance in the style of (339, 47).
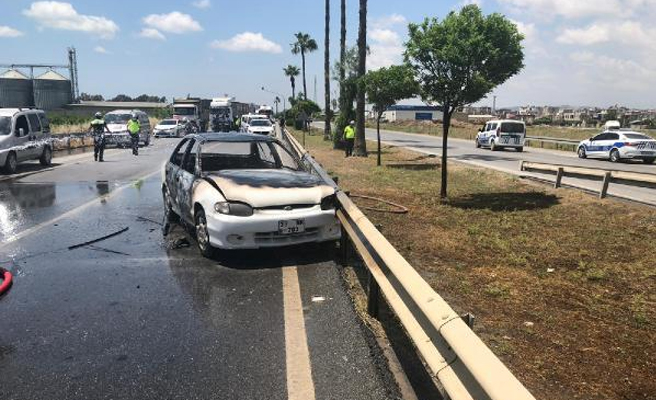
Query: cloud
(202, 4)
(468, 2)
(593, 34)
(247, 41)
(610, 72)
(385, 36)
(59, 15)
(628, 33)
(572, 9)
(8, 32)
(174, 22)
(389, 21)
(385, 43)
(151, 33)
(101, 50)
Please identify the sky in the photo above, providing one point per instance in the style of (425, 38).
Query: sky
(577, 52)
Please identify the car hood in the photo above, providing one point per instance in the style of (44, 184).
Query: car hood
(164, 127)
(117, 127)
(266, 188)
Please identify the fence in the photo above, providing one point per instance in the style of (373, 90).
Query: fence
(463, 365)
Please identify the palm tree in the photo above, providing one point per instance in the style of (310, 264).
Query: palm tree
(342, 44)
(326, 73)
(292, 72)
(304, 44)
(360, 141)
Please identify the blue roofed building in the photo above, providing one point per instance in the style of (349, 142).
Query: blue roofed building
(413, 113)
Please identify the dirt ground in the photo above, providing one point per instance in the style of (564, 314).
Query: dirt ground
(563, 285)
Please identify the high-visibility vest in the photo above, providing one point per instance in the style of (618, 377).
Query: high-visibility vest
(349, 132)
(134, 126)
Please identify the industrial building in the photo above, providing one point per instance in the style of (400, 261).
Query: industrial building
(413, 113)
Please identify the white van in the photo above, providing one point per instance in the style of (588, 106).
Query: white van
(117, 123)
(502, 133)
(24, 135)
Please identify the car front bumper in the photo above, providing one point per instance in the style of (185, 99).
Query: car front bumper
(261, 229)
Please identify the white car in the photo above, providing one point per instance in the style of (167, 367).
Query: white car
(169, 128)
(260, 126)
(245, 191)
(499, 134)
(618, 145)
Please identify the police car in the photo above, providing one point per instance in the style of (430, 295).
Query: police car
(618, 145)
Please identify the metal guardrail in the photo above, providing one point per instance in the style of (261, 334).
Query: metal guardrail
(463, 365)
(607, 176)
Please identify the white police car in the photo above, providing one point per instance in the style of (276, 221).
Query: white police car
(618, 145)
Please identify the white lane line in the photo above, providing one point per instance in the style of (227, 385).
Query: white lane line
(73, 211)
(299, 371)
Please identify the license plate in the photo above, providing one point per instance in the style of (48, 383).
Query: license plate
(291, 226)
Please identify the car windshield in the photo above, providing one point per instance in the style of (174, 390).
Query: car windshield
(637, 136)
(221, 156)
(260, 122)
(183, 110)
(117, 118)
(5, 125)
(168, 122)
(512, 127)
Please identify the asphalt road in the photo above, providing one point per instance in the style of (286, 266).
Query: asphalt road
(143, 316)
(508, 161)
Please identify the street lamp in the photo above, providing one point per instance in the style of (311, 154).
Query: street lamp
(284, 103)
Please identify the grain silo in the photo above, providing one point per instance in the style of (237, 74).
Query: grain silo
(16, 89)
(51, 91)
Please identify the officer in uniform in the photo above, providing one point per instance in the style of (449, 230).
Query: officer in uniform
(98, 129)
(349, 138)
(134, 127)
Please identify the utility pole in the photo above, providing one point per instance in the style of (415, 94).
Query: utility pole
(315, 88)
(494, 105)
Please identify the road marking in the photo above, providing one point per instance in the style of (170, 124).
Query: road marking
(299, 371)
(73, 211)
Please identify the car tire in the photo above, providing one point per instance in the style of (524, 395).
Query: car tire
(202, 234)
(46, 157)
(478, 144)
(493, 147)
(614, 155)
(581, 152)
(519, 149)
(11, 163)
(649, 160)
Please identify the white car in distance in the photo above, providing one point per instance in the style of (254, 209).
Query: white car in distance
(619, 145)
(260, 126)
(169, 128)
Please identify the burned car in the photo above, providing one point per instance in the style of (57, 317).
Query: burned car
(246, 191)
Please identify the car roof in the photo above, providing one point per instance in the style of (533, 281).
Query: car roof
(234, 137)
(10, 112)
(505, 120)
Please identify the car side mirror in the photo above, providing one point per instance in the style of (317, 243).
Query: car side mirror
(480, 129)
(21, 132)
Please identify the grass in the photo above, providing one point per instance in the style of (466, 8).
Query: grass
(462, 130)
(510, 252)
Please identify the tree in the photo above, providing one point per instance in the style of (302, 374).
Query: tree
(292, 72)
(348, 89)
(360, 140)
(304, 44)
(385, 87)
(341, 73)
(326, 77)
(122, 97)
(459, 60)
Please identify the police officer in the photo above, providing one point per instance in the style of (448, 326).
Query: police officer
(349, 138)
(98, 129)
(134, 127)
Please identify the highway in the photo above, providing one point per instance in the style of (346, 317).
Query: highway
(143, 316)
(508, 161)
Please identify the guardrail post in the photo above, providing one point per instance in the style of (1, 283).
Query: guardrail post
(559, 177)
(344, 248)
(374, 296)
(604, 186)
(521, 165)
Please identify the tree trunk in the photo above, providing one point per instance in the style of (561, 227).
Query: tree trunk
(446, 123)
(380, 115)
(360, 140)
(293, 87)
(326, 72)
(304, 84)
(342, 47)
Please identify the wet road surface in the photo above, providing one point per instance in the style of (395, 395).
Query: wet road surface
(142, 316)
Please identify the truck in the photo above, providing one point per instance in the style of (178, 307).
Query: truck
(195, 109)
(224, 111)
(265, 110)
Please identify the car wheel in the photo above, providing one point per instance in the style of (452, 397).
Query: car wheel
(46, 157)
(649, 160)
(11, 163)
(203, 235)
(614, 155)
(493, 147)
(478, 144)
(519, 149)
(581, 152)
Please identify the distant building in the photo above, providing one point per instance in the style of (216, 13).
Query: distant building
(413, 113)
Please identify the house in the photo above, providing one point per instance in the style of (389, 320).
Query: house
(413, 113)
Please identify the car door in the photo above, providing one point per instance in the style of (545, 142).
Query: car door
(36, 136)
(171, 173)
(21, 140)
(185, 178)
(595, 147)
(609, 143)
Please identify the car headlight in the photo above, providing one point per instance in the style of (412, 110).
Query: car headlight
(236, 209)
(329, 202)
